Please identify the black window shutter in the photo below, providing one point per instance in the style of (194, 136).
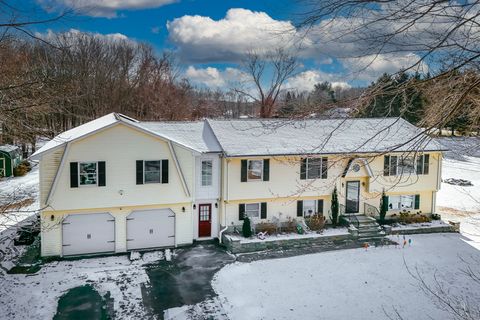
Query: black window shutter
(266, 169)
(386, 165)
(420, 165)
(139, 171)
(263, 212)
(241, 211)
(426, 162)
(74, 174)
(417, 201)
(303, 169)
(324, 168)
(320, 206)
(243, 177)
(300, 208)
(164, 171)
(101, 174)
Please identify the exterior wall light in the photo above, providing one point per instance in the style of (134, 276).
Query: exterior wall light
(183, 209)
(52, 217)
(194, 206)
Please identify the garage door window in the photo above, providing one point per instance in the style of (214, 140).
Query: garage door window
(87, 172)
(152, 171)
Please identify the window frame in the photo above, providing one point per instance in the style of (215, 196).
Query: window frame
(259, 210)
(314, 208)
(398, 168)
(202, 173)
(248, 170)
(400, 202)
(320, 165)
(423, 164)
(159, 171)
(80, 185)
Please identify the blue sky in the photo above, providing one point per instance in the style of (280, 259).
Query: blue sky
(209, 38)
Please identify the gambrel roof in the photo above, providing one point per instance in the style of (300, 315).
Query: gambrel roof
(239, 138)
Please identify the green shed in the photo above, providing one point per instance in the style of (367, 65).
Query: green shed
(10, 158)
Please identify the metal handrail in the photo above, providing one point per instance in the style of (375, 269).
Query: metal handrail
(371, 211)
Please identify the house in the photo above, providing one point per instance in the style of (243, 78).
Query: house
(10, 158)
(116, 184)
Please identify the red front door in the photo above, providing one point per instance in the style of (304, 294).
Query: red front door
(204, 220)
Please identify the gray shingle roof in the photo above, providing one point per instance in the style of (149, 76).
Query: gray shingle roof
(328, 136)
(195, 134)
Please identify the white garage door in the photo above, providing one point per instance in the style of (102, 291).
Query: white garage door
(150, 229)
(88, 233)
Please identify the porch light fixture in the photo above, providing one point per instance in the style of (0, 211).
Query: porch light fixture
(194, 206)
(183, 209)
(216, 205)
(363, 183)
(52, 217)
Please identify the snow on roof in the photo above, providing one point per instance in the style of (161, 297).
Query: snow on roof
(326, 136)
(77, 132)
(9, 148)
(194, 134)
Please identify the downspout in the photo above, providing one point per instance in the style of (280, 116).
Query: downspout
(220, 234)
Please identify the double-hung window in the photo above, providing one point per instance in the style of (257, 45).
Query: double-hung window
(314, 168)
(206, 173)
(152, 171)
(87, 173)
(406, 165)
(252, 210)
(255, 170)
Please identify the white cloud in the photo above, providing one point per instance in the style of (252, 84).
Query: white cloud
(305, 81)
(102, 8)
(213, 77)
(203, 39)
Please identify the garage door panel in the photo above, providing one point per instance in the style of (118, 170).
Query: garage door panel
(150, 229)
(88, 233)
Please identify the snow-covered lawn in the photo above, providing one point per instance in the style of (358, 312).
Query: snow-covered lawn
(346, 284)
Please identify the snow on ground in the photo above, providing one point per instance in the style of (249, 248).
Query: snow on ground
(36, 296)
(325, 233)
(346, 284)
(19, 187)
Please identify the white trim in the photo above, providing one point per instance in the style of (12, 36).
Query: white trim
(179, 169)
(58, 173)
(261, 171)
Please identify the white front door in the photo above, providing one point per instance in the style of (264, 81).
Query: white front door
(88, 233)
(150, 229)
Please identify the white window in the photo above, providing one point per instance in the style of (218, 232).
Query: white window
(255, 170)
(252, 210)
(87, 173)
(316, 168)
(206, 173)
(309, 207)
(401, 202)
(152, 171)
(406, 165)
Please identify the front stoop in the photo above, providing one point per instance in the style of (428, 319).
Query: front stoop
(367, 229)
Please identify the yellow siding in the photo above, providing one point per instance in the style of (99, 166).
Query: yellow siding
(120, 146)
(52, 230)
(49, 165)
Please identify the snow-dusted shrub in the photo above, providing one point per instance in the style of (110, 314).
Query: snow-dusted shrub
(267, 227)
(315, 222)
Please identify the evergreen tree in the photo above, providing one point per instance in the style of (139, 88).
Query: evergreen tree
(334, 206)
(246, 228)
(383, 206)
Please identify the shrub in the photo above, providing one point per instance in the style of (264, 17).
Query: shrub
(383, 207)
(27, 164)
(267, 227)
(315, 222)
(246, 228)
(406, 217)
(290, 225)
(436, 216)
(20, 170)
(334, 206)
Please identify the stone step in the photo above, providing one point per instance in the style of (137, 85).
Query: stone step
(370, 239)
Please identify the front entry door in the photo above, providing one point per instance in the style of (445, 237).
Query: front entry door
(204, 220)
(353, 197)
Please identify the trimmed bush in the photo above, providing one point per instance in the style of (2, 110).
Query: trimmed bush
(315, 222)
(267, 227)
(246, 228)
(20, 170)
